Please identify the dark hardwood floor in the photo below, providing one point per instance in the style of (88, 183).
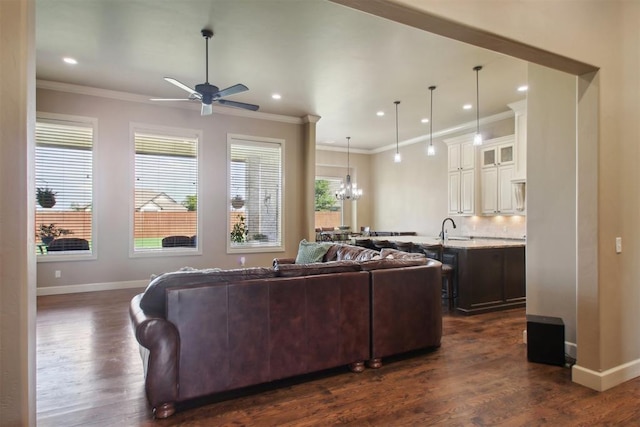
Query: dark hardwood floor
(90, 374)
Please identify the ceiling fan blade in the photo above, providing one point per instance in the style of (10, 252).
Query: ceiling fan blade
(236, 104)
(232, 90)
(170, 99)
(207, 109)
(182, 86)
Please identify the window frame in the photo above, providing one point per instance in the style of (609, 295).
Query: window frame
(248, 247)
(165, 131)
(80, 121)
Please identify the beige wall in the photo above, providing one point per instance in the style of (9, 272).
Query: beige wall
(412, 195)
(334, 164)
(551, 197)
(605, 34)
(113, 172)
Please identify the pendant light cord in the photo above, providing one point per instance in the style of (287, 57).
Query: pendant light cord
(431, 88)
(348, 143)
(397, 146)
(477, 70)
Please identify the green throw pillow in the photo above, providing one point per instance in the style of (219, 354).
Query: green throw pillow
(309, 252)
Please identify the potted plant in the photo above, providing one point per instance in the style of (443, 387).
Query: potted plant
(49, 232)
(239, 231)
(45, 197)
(237, 202)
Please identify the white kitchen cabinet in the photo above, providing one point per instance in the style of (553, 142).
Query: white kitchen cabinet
(462, 156)
(498, 163)
(462, 172)
(499, 155)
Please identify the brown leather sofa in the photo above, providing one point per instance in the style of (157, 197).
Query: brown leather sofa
(208, 331)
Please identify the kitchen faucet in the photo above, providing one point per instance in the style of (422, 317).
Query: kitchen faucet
(445, 220)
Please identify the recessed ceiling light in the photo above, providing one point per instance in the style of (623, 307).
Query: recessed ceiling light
(70, 60)
(330, 142)
(380, 113)
(523, 88)
(467, 106)
(425, 120)
(276, 96)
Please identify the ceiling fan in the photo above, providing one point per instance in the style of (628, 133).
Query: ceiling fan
(207, 93)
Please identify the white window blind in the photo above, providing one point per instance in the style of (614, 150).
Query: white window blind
(255, 193)
(166, 192)
(64, 187)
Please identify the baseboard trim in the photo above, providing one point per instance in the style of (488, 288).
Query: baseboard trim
(571, 349)
(91, 287)
(601, 381)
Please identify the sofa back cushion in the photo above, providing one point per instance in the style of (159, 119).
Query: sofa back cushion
(295, 270)
(339, 252)
(154, 298)
(392, 263)
(396, 254)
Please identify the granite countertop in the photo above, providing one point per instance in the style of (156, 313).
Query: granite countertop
(456, 241)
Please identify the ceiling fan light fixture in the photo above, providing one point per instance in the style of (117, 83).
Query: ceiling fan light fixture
(477, 138)
(397, 158)
(431, 150)
(207, 110)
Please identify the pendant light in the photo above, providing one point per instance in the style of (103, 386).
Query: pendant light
(477, 139)
(348, 190)
(431, 150)
(397, 157)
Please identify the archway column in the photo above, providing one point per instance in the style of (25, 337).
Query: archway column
(17, 239)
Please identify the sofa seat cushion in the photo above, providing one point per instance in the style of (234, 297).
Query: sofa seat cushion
(295, 270)
(392, 263)
(309, 252)
(154, 299)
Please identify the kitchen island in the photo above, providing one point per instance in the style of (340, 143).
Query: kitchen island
(488, 274)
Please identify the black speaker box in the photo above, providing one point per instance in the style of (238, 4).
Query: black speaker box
(545, 340)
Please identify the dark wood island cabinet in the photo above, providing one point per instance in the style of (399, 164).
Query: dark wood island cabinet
(488, 278)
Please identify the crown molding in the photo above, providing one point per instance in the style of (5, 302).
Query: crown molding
(468, 126)
(142, 99)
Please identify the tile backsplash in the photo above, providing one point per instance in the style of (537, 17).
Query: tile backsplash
(511, 227)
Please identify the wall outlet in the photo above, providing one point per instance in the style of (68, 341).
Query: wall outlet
(242, 260)
(58, 274)
(618, 245)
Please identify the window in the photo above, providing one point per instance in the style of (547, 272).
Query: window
(255, 194)
(165, 212)
(64, 187)
(328, 209)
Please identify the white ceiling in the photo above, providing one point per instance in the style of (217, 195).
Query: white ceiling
(323, 58)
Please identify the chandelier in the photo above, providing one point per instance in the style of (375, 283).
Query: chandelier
(348, 190)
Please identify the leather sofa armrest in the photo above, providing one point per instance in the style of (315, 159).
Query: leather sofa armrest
(160, 338)
(277, 261)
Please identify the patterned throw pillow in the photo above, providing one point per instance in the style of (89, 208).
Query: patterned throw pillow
(309, 252)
